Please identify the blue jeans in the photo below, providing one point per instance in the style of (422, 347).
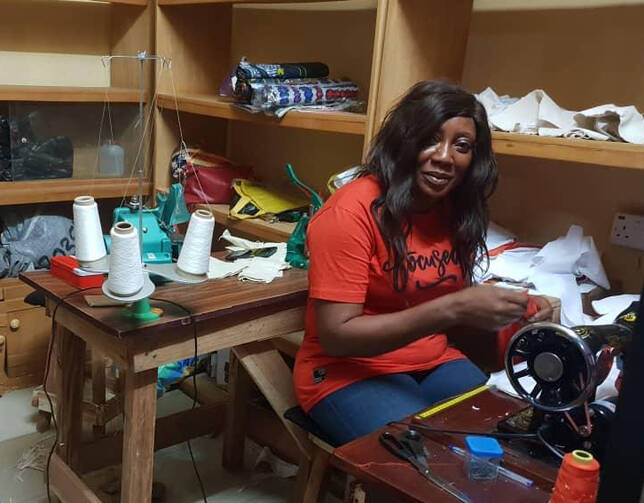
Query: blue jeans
(368, 405)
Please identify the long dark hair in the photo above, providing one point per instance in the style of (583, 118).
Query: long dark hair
(393, 160)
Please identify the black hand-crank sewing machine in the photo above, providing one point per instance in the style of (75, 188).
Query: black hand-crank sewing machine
(563, 368)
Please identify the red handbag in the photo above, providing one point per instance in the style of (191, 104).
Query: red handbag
(207, 178)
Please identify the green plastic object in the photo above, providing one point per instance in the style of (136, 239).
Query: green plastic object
(296, 254)
(159, 245)
(141, 311)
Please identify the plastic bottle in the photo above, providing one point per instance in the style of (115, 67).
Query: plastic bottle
(111, 160)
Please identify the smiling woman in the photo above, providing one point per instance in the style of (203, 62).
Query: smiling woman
(391, 260)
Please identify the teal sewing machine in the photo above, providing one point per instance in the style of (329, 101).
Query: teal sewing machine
(159, 241)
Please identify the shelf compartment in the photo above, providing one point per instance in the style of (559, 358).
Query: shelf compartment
(212, 106)
(260, 229)
(622, 155)
(47, 191)
(69, 94)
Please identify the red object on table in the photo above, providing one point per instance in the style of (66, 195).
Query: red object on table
(63, 268)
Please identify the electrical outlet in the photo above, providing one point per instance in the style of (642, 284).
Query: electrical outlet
(628, 230)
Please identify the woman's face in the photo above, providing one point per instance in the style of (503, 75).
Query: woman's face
(444, 162)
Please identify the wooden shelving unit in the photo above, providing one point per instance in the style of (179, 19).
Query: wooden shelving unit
(261, 229)
(69, 94)
(622, 155)
(47, 191)
(213, 106)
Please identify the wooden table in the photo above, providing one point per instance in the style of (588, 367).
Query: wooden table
(225, 313)
(370, 462)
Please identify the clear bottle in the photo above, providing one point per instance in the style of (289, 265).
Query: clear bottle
(111, 160)
(483, 457)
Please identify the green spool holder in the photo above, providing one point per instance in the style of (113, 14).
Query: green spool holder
(142, 311)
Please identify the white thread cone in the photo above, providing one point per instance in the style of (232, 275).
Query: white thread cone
(195, 252)
(125, 276)
(87, 230)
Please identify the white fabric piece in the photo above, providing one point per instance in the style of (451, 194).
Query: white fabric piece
(497, 236)
(494, 103)
(537, 113)
(621, 122)
(218, 269)
(614, 304)
(573, 254)
(262, 269)
(607, 388)
(520, 117)
(500, 380)
(553, 271)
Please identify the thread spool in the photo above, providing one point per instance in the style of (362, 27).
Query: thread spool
(577, 479)
(87, 229)
(195, 252)
(125, 277)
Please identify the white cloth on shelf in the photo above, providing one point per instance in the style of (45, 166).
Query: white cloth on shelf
(537, 113)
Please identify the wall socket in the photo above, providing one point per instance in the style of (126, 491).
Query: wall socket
(628, 230)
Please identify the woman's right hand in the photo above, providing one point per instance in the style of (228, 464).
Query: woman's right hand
(489, 307)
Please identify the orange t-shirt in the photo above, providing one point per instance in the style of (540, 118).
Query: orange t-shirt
(349, 263)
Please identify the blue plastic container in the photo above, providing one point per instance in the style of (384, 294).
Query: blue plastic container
(484, 457)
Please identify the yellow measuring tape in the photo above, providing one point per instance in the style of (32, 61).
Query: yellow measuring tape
(446, 405)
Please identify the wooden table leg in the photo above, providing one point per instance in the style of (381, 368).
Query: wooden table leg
(98, 387)
(235, 432)
(138, 437)
(70, 352)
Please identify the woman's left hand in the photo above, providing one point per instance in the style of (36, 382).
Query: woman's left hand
(545, 310)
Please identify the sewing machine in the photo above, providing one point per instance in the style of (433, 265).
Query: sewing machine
(160, 242)
(564, 368)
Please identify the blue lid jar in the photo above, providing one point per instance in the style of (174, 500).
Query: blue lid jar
(484, 456)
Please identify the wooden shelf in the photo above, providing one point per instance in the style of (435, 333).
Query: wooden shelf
(213, 106)
(261, 229)
(66, 189)
(187, 2)
(128, 2)
(622, 155)
(69, 94)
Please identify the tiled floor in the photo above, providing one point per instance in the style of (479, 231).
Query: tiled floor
(172, 466)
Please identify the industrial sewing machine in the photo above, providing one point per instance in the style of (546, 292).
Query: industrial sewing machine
(160, 242)
(564, 368)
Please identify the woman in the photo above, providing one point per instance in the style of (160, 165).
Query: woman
(391, 259)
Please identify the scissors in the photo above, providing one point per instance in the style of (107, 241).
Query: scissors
(409, 447)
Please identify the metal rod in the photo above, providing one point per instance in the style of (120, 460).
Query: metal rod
(141, 57)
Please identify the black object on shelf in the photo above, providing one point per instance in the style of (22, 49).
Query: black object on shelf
(24, 156)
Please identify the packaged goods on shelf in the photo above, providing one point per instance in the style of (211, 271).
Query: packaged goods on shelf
(277, 88)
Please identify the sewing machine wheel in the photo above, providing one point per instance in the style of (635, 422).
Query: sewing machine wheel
(558, 360)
